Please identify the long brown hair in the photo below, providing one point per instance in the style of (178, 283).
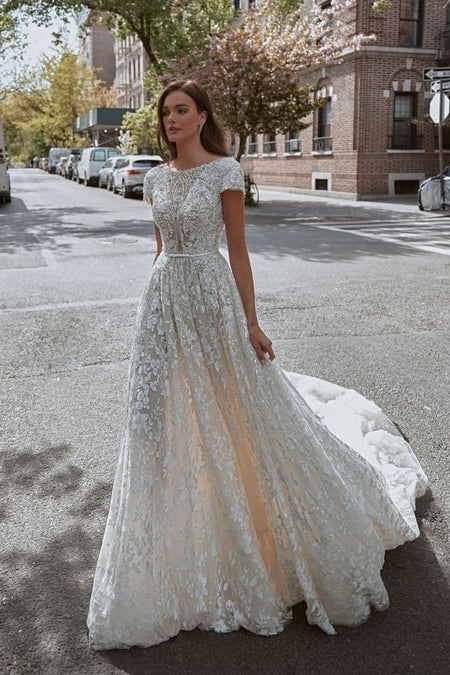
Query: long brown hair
(212, 137)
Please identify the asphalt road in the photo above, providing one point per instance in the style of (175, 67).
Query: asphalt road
(356, 293)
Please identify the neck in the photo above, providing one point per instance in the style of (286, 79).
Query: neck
(190, 154)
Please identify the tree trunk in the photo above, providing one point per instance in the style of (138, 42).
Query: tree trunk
(147, 44)
(241, 147)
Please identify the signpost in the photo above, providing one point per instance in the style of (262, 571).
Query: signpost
(439, 111)
(436, 86)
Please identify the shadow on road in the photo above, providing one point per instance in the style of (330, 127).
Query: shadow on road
(53, 228)
(45, 597)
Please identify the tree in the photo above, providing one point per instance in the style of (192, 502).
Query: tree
(253, 71)
(166, 28)
(141, 126)
(41, 106)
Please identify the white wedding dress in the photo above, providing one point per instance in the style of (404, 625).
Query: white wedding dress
(241, 489)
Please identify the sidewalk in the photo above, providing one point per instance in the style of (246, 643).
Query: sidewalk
(399, 204)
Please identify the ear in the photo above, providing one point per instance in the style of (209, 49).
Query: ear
(203, 116)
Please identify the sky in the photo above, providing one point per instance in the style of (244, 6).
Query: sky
(40, 41)
(40, 44)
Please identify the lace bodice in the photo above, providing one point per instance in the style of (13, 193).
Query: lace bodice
(187, 206)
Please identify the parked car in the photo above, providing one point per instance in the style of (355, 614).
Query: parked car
(54, 156)
(429, 197)
(91, 161)
(5, 183)
(129, 176)
(70, 165)
(60, 166)
(105, 173)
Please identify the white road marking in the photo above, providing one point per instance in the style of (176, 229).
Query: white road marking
(430, 236)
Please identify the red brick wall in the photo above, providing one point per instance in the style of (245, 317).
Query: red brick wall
(362, 90)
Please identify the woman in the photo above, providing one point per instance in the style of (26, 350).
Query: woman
(241, 490)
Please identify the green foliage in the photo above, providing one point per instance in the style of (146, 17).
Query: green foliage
(40, 107)
(167, 29)
(142, 127)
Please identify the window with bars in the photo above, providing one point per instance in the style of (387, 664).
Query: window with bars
(253, 144)
(404, 132)
(322, 142)
(269, 144)
(292, 143)
(410, 23)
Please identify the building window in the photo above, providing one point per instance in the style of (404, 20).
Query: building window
(322, 142)
(269, 144)
(292, 143)
(328, 27)
(253, 144)
(410, 23)
(404, 135)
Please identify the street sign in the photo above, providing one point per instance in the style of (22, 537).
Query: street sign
(435, 108)
(436, 73)
(438, 84)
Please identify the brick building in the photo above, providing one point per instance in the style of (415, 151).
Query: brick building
(96, 47)
(372, 136)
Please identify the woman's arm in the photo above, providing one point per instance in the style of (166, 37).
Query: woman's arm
(233, 215)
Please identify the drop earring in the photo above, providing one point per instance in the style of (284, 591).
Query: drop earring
(200, 127)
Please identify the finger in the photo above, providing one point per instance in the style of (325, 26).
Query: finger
(260, 353)
(270, 352)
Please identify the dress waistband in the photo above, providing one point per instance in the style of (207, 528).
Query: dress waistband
(189, 255)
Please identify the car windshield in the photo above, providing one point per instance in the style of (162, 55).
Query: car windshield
(145, 163)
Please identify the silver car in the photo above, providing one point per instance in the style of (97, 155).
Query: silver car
(128, 178)
(106, 172)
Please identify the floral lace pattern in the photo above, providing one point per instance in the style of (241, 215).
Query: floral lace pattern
(236, 493)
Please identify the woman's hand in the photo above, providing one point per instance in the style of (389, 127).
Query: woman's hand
(261, 343)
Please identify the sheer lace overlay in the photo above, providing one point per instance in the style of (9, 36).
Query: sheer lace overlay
(240, 489)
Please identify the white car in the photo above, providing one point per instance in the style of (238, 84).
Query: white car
(106, 172)
(5, 183)
(91, 161)
(128, 178)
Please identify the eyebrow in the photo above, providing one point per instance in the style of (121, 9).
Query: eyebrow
(177, 105)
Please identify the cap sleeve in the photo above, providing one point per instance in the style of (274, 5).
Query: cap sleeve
(233, 176)
(148, 186)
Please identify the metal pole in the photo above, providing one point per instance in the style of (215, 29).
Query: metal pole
(440, 139)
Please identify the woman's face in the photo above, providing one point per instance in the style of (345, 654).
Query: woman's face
(180, 117)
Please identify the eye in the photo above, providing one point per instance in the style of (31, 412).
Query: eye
(165, 113)
(182, 111)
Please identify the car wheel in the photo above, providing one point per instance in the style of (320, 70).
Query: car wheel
(108, 184)
(86, 181)
(125, 191)
(7, 199)
(114, 188)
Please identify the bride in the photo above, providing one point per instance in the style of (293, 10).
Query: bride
(241, 489)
